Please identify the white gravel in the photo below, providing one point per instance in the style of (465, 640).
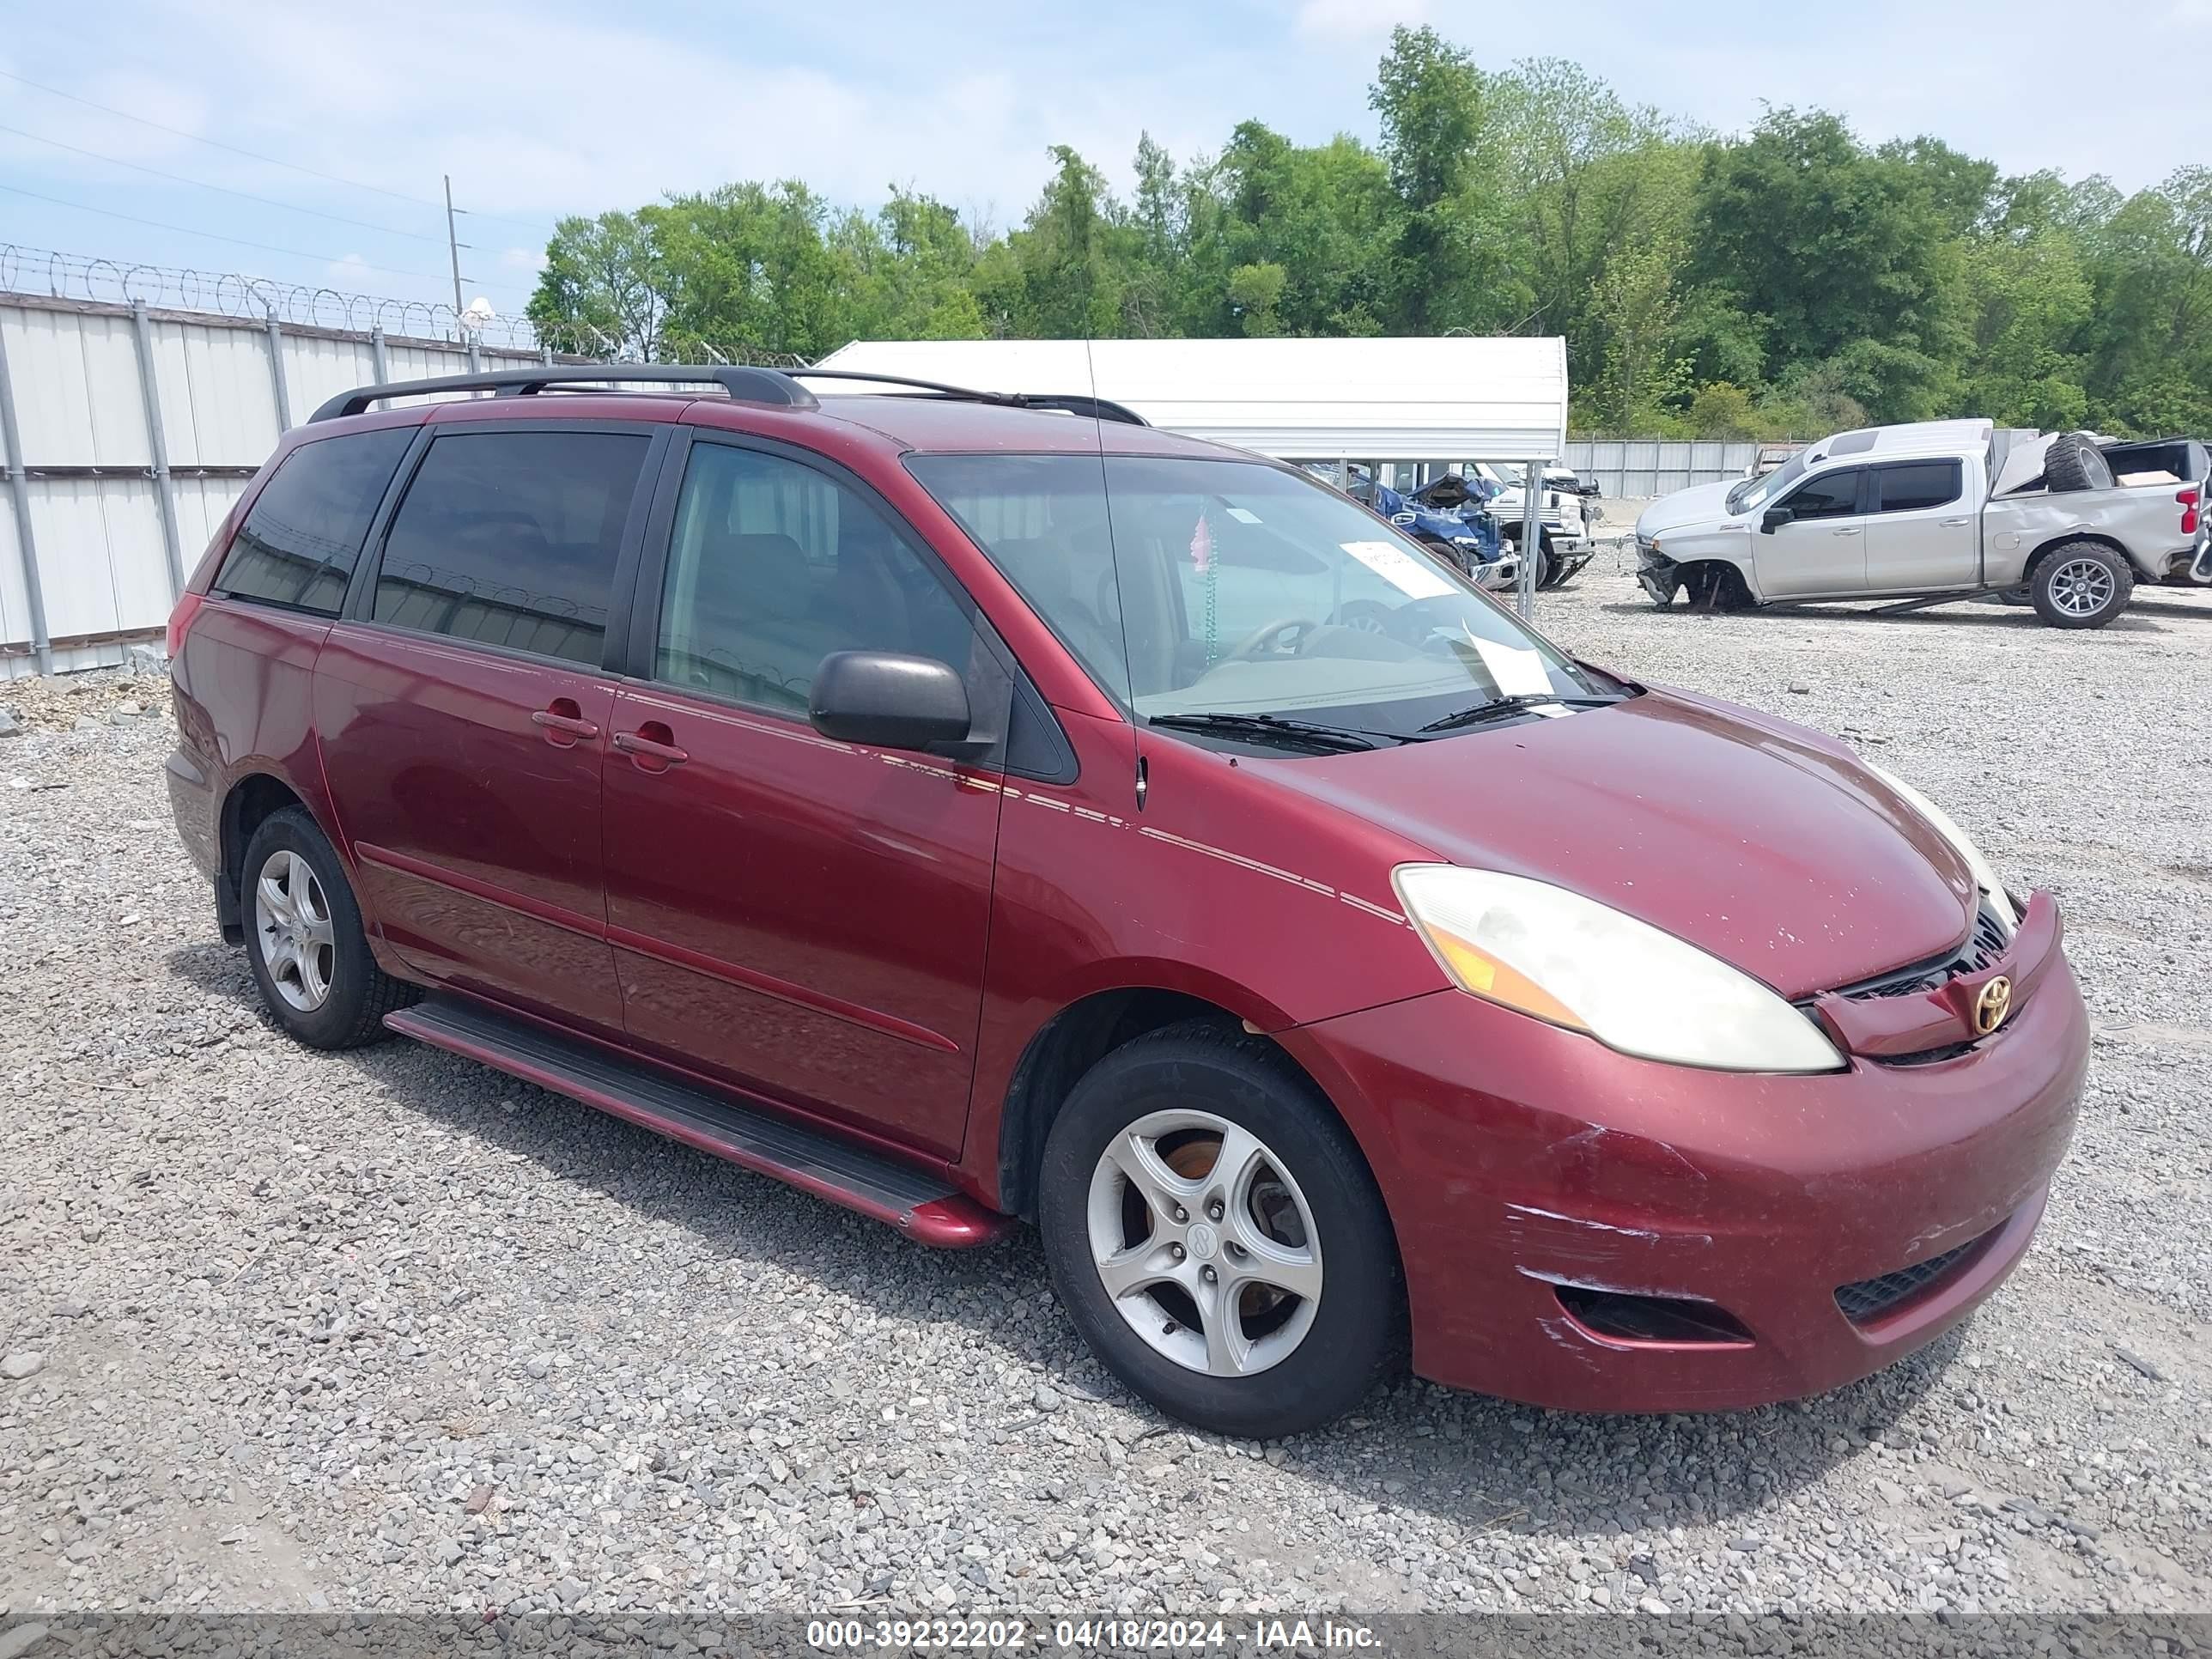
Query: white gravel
(387, 1331)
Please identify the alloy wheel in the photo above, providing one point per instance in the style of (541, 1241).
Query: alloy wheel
(1204, 1243)
(2080, 588)
(292, 930)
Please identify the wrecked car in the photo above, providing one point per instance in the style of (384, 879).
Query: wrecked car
(1567, 514)
(1937, 511)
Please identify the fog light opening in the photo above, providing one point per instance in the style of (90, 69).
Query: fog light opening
(1661, 1320)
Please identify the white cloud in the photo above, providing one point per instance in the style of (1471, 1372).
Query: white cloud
(530, 260)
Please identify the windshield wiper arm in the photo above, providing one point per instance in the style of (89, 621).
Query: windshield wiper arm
(1497, 708)
(1268, 728)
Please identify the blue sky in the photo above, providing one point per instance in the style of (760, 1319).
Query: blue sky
(540, 110)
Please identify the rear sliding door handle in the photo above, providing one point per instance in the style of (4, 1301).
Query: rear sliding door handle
(1956, 524)
(1848, 530)
(649, 746)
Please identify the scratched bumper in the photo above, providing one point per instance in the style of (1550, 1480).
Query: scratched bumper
(1516, 1159)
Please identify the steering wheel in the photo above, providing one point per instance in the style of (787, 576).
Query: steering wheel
(1248, 647)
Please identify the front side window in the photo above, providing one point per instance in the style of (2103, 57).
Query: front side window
(509, 538)
(772, 566)
(1235, 588)
(1831, 495)
(1921, 485)
(300, 542)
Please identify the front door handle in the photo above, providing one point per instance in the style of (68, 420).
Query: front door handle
(1956, 524)
(1847, 530)
(563, 723)
(652, 747)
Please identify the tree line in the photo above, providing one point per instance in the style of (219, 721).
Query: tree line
(1788, 281)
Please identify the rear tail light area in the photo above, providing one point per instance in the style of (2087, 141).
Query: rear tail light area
(1667, 1321)
(180, 622)
(2192, 501)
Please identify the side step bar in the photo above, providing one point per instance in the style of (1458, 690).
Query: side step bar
(925, 1207)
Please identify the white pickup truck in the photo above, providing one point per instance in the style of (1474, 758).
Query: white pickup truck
(1938, 511)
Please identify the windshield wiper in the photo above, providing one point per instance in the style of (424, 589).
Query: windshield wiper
(1268, 728)
(1498, 707)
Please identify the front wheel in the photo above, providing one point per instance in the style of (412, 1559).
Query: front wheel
(2081, 585)
(1216, 1235)
(305, 941)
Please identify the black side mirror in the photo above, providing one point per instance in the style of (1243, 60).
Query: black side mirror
(1775, 517)
(891, 701)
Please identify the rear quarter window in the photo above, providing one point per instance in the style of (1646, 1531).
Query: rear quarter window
(300, 542)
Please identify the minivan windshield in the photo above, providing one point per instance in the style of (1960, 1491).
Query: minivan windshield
(1196, 588)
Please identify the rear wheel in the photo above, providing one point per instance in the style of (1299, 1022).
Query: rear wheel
(1547, 565)
(2081, 585)
(305, 941)
(1216, 1235)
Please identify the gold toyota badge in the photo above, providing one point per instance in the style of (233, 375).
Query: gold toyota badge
(1992, 1005)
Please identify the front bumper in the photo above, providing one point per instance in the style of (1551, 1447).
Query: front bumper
(1529, 1168)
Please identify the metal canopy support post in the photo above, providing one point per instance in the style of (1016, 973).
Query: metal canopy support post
(277, 375)
(165, 489)
(19, 486)
(376, 355)
(1532, 536)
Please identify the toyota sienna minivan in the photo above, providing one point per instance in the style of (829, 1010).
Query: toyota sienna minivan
(967, 807)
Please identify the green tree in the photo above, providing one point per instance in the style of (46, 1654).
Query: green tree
(603, 287)
(1429, 95)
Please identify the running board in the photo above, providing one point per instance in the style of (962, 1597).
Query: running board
(925, 1207)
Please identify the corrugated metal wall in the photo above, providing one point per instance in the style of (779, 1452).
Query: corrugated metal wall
(1636, 467)
(87, 463)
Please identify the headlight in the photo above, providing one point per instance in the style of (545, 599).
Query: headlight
(1561, 957)
(1985, 877)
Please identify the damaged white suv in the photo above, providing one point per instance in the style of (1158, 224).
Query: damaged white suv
(1937, 511)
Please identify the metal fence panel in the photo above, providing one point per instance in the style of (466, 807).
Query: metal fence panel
(14, 602)
(215, 400)
(67, 377)
(75, 371)
(1630, 468)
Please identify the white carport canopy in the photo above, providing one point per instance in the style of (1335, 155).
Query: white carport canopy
(1457, 398)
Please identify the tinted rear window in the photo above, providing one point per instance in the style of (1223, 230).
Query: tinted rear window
(509, 538)
(299, 545)
(1923, 485)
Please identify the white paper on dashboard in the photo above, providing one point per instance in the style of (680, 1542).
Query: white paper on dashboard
(1398, 567)
(1518, 669)
(1243, 515)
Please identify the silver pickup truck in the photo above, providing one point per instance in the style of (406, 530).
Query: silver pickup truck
(1938, 511)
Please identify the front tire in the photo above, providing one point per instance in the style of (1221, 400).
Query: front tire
(1216, 1235)
(2081, 585)
(304, 939)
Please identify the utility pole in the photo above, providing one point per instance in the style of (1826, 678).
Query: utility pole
(453, 247)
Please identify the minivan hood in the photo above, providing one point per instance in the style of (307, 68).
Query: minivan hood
(1769, 846)
(1706, 503)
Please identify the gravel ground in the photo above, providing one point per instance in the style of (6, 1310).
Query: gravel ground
(386, 1331)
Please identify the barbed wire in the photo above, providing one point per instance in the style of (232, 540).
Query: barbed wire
(259, 299)
(231, 293)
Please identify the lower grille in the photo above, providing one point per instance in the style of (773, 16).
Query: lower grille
(1870, 1298)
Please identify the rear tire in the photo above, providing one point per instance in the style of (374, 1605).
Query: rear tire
(2074, 462)
(1197, 1325)
(304, 939)
(2081, 584)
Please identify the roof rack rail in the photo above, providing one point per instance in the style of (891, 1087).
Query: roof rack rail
(1069, 403)
(744, 385)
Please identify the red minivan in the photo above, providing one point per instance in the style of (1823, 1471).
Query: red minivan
(967, 807)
